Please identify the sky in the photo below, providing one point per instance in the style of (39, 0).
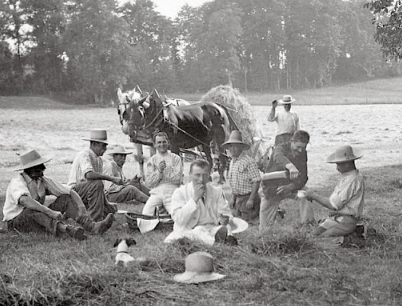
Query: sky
(170, 8)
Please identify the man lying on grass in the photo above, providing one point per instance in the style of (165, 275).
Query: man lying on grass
(26, 194)
(200, 211)
(347, 200)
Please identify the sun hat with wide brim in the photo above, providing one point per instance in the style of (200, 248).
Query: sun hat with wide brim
(119, 150)
(199, 269)
(31, 159)
(344, 154)
(286, 99)
(236, 138)
(238, 225)
(97, 135)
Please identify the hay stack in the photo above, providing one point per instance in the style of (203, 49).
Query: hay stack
(238, 108)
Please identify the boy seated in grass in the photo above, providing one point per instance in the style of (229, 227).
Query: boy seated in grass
(347, 200)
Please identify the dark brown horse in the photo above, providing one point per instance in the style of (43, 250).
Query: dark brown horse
(200, 124)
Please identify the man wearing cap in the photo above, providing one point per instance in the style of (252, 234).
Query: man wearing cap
(287, 121)
(347, 200)
(200, 210)
(86, 176)
(128, 191)
(24, 210)
(163, 174)
(244, 179)
(292, 157)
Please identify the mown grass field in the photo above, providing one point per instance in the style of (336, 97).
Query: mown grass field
(284, 267)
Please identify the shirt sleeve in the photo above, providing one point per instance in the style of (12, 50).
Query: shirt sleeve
(152, 174)
(297, 121)
(176, 175)
(85, 164)
(109, 169)
(223, 205)
(183, 210)
(340, 197)
(17, 188)
(55, 188)
(279, 156)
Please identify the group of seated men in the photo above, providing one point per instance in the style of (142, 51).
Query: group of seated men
(199, 209)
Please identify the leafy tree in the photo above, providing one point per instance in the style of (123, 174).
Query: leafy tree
(388, 21)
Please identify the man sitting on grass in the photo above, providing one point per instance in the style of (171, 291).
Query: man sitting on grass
(200, 210)
(347, 199)
(26, 194)
(131, 190)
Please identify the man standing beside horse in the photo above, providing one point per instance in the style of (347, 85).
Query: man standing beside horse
(244, 179)
(86, 176)
(164, 174)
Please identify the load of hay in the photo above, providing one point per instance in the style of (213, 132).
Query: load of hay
(238, 108)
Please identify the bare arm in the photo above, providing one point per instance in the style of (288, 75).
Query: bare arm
(320, 200)
(92, 175)
(271, 116)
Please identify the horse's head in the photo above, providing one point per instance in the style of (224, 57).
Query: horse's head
(123, 109)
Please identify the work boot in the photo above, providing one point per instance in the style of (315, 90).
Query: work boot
(96, 228)
(76, 232)
(102, 226)
(221, 234)
(231, 240)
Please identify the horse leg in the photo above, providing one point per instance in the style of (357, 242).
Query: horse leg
(140, 157)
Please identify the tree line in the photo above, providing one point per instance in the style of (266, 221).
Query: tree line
(85, 49)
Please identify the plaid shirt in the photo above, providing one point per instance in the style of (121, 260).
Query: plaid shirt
(242, 174)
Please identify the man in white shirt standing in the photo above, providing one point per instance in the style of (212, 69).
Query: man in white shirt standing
(287, 121)
(163, 174)
(86, 176)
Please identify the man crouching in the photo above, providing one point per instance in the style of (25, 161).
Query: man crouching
(24, 210)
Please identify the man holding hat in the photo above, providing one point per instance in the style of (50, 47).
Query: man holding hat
(287, 121)
(244, 179)
(128, 191)
(86, 176)
(200, 210)
(347, 200)
(292, 157)
(26, 194)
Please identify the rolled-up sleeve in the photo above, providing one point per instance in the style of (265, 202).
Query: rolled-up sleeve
(18, 188)
(340, 197)
(55, 188)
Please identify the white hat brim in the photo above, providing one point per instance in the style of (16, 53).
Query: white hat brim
(34, 163)
(95, 140)
(194, 277)
(238, 225)
(332, 159)
(288, 102)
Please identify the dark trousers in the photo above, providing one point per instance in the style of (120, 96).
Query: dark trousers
(240, 209)
(93, 195)
(35, 221)
(128, 193)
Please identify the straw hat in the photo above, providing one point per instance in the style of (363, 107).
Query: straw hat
(31, 159)
(119, 150)
(236, 138)
(344, 154)
(238, 225)
(287, 99)
(97, 136)
(199, 268)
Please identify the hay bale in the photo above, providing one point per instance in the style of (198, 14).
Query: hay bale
(238, 108)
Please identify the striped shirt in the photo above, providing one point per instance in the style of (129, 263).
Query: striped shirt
(85, 161)
(173, 173)
(243, 173)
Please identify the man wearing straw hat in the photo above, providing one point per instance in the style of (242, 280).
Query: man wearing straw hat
(291, 158)
(244, 179)
(24, 208)
(86, 176)
(122, 193)
(347, 200)
(287, 121)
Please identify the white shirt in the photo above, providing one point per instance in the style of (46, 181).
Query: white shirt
(287, 122)
(85, 161)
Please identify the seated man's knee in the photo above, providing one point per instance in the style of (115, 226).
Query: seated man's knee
(96, 185)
